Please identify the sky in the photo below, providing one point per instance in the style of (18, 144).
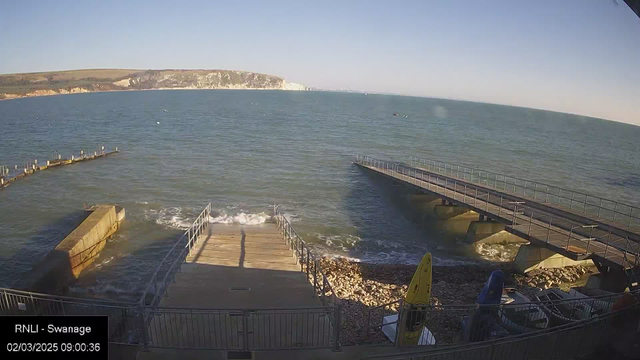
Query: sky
(575, 56)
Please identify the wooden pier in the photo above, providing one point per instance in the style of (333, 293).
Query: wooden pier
(560, 230)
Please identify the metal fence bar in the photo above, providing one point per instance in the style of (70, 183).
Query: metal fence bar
(581, 307)
(171, 262)
(322, 286)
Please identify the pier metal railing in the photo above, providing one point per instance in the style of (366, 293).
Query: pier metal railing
(607, 209)
(170, 264)
(310, 266)
(566, 235)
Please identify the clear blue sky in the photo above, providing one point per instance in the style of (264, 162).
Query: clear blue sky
(576, 56)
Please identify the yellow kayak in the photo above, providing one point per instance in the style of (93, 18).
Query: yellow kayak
(413, 309)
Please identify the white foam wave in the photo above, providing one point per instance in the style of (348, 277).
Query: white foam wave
(99, 289)
(105, 262)
(342, 242)
(398, 257)
(240, 218)
(291, 217)
(169, 217)
(498, 252)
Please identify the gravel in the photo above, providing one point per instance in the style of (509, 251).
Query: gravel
(363, 286)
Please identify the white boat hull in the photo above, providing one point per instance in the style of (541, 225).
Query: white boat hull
(389, 329)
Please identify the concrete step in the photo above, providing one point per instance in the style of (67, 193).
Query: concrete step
(253, 244)
(247, 239)
(184, 283)
(284, 265)
(215, 285)
(217, 248)
(214, 298)
(274, 234)
(208, 256)
(194, 269)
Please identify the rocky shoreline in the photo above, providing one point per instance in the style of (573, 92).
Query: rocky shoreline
(363, 287)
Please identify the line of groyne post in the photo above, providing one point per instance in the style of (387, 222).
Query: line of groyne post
(10, 174)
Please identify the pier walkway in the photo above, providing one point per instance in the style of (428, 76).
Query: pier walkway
(576, 235)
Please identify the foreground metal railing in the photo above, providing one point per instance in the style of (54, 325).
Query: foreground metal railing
(310, 266)
(534, 224)
(569, 341)
(126, 320)
(456, 324)
(620, 213)
(242, 329)
(170, 264)
(189, 328)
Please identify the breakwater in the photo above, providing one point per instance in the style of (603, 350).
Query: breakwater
(10, 174)
(61, 266)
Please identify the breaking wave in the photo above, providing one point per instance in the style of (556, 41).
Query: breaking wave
(169, 217)
(240, 218)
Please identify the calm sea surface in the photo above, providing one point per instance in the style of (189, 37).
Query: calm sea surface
(246, 150)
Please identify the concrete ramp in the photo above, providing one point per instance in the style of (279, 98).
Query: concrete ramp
(234, 266)
(240, 288)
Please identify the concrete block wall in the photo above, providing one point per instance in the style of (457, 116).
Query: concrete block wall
(58, 269)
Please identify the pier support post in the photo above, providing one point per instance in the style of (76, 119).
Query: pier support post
(613, 281)
(531, 257)
(489, 232)
(444, 212)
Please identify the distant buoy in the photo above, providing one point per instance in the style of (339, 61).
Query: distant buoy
(158, 122)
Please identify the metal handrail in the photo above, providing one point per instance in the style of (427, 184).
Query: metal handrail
(191, 235)
(451, 188)
(310, 265)
(478, 349)
(586, 307)
(535, 187)
(31, 294)
(301, 249)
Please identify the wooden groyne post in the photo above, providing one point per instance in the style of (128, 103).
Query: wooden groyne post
(9, 175)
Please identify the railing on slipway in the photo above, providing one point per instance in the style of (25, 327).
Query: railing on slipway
(615, 211)
(170, 264)
(573, 340)
(310, 266)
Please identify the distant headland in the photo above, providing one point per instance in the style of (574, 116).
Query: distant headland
(14, 86)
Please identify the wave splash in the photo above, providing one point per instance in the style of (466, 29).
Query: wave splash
(240, 218)
(169, 217)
